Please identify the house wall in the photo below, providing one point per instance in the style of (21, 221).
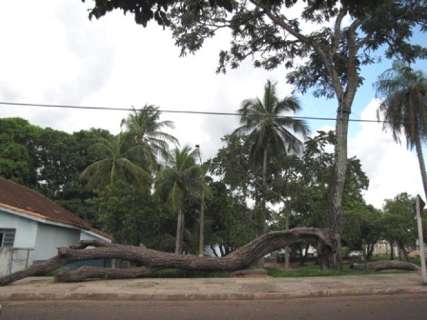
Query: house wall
(4, 261)
(87, 235)
(49, 238)
(26, 230)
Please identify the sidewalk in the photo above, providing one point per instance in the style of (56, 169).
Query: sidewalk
(266, 288)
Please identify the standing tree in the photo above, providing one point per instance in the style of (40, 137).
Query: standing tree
(399, 223)
(343, 36)
(270, 134)
(179, 180)
(115, 164)
(405, 108)
(145, 128)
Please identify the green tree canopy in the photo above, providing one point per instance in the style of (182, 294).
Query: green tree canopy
(179, 180)
(145, 128)
(399, 221)
(345, 36)
(405, 108)
(119, 161)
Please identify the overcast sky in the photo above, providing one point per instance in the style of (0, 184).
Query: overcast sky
(51, 53)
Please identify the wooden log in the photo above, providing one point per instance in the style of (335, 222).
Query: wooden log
(237, 260)
(387, 265)
(86, 273)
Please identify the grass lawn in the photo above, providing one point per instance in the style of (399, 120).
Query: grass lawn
(177, 273)
(314, 271)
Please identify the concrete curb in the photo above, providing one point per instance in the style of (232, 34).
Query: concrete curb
(210, 289)
(15, 297)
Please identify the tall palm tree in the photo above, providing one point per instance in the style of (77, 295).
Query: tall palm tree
(270, 133)
(145, 128)
(405, 108)
(180, 179)
(119, 162)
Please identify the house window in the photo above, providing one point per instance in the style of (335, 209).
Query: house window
(7, 237)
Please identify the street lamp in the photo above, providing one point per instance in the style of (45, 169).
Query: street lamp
(202, 212)
(419, 205)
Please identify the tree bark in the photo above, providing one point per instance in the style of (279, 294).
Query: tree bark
(87, 273)
(182, 236)
(287, 255)
(421, 163)
(391, 250)
(387, 265)
(202, 226)
(153, 259)
(336, 209)
(304, 254)
(261, 210)
(262, 215)
(178, 233)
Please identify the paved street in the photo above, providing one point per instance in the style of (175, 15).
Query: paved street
(401, 307)
(265, 288)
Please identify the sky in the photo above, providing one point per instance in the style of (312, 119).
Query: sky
(51, 53)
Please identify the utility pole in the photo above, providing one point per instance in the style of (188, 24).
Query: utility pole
(202, 213)
(419, 204)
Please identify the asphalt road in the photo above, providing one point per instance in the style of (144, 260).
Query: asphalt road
(349, 308)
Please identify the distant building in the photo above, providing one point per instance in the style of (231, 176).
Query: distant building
(32, 227)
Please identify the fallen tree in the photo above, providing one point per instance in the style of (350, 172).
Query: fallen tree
(387, 265)
(150, 259)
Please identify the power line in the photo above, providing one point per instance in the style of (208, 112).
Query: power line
(212, 113)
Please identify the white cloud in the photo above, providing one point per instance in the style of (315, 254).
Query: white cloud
(52, 53)
(391, 168)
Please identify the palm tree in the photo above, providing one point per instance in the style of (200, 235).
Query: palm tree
(270, 133)
(118, 162)
(405, 108)
(145, 128)
(180, 179)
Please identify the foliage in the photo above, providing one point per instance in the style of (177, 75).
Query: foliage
(180, 178)
(363, 227)
(399, 221)
(134, 216)
(49, 161)
(270, 135)
(405, 100)
(144, 128)
(327, 60)
(229, 221)
(302, 184)
(118, 161)
(267, 128)
(178, 182)
(17, 147)
(232, 165)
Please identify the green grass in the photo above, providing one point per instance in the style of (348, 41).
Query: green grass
(178, 273)
(314, 271)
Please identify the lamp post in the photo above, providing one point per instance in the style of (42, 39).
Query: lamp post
(202, 214)
(419, 203)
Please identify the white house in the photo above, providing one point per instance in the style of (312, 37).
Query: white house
(32, 227)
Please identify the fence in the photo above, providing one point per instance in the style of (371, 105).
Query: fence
(14, 259)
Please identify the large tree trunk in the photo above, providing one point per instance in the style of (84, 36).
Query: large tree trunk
(202, 226)
(153, 259)
(179, 233)
(287, 249)
(262, 215)
(387, 265)
(421, 164)
(336, 209)
(261, 210)
(391, 250)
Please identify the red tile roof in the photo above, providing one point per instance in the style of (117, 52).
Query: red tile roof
(21, 199)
